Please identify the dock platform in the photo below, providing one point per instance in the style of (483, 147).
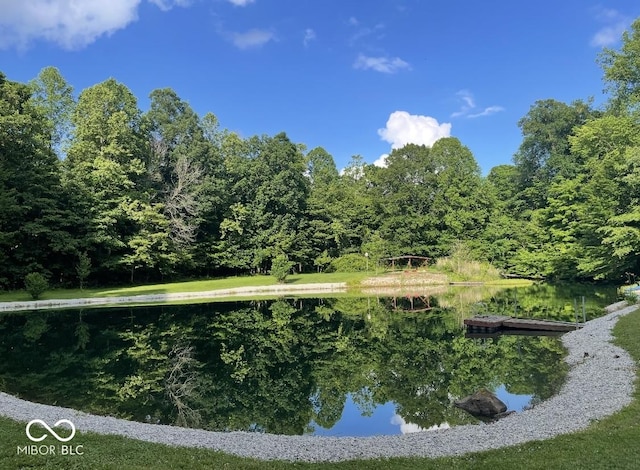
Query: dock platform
(502, 322)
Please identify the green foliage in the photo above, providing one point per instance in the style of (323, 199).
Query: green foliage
(323, 261)
(53, 96)
(622, 71)
(35, 284)
(463, 267)
(169, 194)
(351, 262)
(281, 267)
(83, 268)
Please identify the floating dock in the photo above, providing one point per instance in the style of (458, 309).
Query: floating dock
(494, 323)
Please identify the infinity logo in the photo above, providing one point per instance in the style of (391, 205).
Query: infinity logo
(53, 433)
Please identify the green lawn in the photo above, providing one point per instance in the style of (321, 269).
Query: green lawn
(352, 279)
(613, 443)
(190, 286)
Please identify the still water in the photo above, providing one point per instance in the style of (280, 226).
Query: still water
(350, 366)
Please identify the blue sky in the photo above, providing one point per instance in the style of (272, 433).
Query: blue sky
(353, 76)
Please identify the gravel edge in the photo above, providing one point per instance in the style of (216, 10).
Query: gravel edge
(598, 384)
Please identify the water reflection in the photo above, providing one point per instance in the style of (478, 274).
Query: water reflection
(346, 366)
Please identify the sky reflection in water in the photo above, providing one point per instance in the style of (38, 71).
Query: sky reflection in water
(384, 421)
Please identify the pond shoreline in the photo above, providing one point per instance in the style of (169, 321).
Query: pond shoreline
(284, 289)
(599, 383)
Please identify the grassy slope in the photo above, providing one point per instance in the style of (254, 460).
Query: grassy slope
(613, 443)
(190, 286)
(352, 279)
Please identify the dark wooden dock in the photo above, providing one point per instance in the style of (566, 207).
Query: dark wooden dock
(486, 323)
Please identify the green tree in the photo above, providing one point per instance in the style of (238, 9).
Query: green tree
(280, 201)
(622, 71)
(281, 268)
(324, 180)
(35, 226)
(53, 96)
(183, 169)
(35, 284)
(107, 171)
(545, 152)
(83, 268)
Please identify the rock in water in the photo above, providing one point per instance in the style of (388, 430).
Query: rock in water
(482, 403)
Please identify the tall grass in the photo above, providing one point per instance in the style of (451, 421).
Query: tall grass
(461, 266)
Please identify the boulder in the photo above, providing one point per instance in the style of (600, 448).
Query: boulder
(482, 403)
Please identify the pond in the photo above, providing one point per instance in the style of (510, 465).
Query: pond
(348, 366)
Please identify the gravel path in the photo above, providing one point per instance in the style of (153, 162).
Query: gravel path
(597, 385)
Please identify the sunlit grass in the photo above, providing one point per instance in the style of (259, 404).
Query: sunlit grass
(189, 286)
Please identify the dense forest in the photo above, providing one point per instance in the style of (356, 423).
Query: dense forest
(93, 189)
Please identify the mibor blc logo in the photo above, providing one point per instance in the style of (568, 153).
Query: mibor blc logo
(37, 435)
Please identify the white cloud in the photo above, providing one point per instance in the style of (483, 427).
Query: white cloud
(241, 3)
(406, 428)
(72, 24)
(469, 109)
(166, 5)
(403, 128)
(488, 111)
(254, 38)
(615, 24)
(309, 35)
(380, 64)
(381, 161)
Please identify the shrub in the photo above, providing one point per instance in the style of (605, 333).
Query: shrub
(35, 284)
(351, 262)
(281, 267)
(631, 297)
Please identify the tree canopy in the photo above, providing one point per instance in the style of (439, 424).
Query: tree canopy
(167, 193)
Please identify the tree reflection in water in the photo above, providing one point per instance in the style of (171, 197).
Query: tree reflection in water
(283, 366)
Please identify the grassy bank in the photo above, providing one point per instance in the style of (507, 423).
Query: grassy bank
(189, 286)
(352, 279)
(611, 443)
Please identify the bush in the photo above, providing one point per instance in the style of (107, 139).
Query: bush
(35, 284)
(351, 262)
(631, 297)
(281, 267)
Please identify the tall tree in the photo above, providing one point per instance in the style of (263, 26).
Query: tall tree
(461, 205)
(279, 207)
(53, 96)
(107, 171)
(324, 180)
(544, 153)
(404, 195)
(622, 71)
(178, 147)
(34, 228)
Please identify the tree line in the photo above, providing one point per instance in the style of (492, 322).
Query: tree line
(93, 189)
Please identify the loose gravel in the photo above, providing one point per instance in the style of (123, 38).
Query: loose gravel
(599, 383)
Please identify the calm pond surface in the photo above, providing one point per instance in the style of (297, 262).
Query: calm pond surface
(346, 366)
